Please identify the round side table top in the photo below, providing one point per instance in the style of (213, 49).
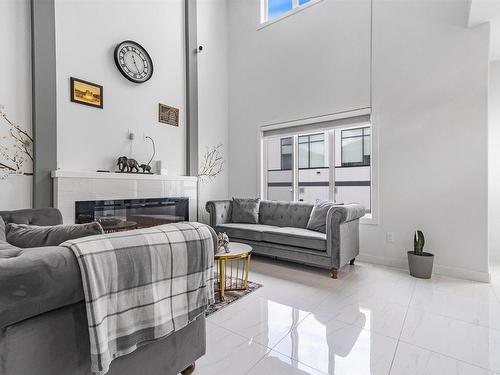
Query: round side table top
(236, 249)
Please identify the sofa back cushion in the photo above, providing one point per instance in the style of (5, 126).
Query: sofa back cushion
(245, 210)
(35, 216)
(285, 214)
(25, 236)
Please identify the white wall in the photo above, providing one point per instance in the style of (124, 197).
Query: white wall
(86, 35)
(291, 70)
(213, 94)
(482, 11)
(494, 161)
(15, 90)
(429, 103)
(430, 95)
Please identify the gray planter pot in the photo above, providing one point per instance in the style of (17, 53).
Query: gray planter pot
(420, 265)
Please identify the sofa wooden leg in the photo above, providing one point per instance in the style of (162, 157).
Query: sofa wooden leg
(189, 370)
(352, 261)
(334, 273)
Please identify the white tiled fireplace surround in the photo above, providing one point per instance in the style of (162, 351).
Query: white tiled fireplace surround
(73, 186)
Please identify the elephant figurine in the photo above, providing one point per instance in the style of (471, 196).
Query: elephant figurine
(132, 165)
(145, 168)
(129, 164)
(122, 163)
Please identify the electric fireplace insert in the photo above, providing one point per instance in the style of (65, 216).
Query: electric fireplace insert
(125, 214)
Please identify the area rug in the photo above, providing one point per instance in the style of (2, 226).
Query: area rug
(231, 296)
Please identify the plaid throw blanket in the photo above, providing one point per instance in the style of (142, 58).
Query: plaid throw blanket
(142, 285)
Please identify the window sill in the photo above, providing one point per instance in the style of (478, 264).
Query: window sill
(288, 14)
(368, 219)
(306, 169)
(353, 166)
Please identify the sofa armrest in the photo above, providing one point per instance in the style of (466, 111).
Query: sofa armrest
(342, 233)
(37, 280)
(220, 211)
(344, 213)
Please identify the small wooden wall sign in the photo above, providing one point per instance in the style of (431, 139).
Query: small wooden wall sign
(168, 115)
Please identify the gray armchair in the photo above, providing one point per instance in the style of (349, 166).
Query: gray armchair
(282, 232)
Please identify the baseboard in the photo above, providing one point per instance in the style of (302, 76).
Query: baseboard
(384, 261)
(462, 273)
(456, 272)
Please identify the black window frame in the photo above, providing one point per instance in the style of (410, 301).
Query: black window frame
(366, 162)
(309, 149)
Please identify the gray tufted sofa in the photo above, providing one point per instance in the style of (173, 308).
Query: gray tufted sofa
(282, 232)
(43, 321)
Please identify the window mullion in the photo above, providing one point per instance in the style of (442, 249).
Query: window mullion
(264, 168)
(308, 153)
(363, 146)
(281, 153)
(295, 175)
(264, 14)
(295, 4)
(331, 165)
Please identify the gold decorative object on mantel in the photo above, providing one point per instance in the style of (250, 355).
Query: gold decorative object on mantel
(168, 115)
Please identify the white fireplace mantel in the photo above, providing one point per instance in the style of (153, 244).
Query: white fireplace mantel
(73, 186)
(119, 176)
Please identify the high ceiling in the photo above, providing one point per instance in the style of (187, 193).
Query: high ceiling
(482, 11)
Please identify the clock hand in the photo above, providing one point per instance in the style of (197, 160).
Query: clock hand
(133, 59)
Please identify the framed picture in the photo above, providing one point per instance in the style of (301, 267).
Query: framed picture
(87, 93)
(168, 115)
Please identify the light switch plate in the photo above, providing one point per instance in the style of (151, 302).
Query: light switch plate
(389, 237)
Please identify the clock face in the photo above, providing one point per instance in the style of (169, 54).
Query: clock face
(133, 61)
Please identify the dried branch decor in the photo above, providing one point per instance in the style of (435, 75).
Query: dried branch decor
(16, 149)
(212, 163)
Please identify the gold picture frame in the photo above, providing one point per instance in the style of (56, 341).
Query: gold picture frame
(86, 93)
(168, 115)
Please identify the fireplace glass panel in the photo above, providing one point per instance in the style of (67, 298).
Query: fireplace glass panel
(126, 214)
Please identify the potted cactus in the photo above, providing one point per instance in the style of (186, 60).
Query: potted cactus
(419, 261)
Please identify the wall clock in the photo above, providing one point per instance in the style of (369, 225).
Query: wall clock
(133, 61)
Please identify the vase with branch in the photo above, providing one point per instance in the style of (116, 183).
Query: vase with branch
(16, 148)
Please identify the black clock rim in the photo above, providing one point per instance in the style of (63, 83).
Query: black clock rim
(117, 63)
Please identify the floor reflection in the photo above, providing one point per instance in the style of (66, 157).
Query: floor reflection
(285, 365)
(299, 324)
(280, 318)
(326, 344)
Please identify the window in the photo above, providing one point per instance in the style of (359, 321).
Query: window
(356, 147)
(353, 171)
(273, 9)
(286, 153)
(332, 164)
(312, 176)
(312, 151)
(279, 168)
(276, 8)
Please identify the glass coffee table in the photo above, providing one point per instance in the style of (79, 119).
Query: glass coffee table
(233, 267)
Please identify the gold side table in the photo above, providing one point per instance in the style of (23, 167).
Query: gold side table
(233, 267)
